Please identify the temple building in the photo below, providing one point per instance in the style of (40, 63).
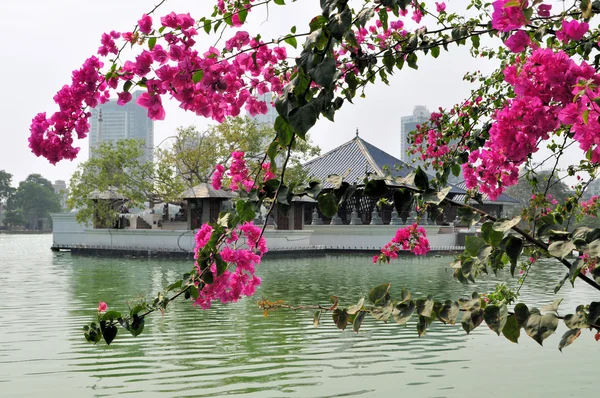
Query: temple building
(355, 160)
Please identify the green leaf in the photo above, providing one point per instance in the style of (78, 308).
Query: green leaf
(424, 307)
(540, 327)
(383, 313)
(137, 325)
(473, 244)
(568, 338)
(197, 76)
(552, 307)
(436, 197)
(291, 40)
(411, 60)
(576, 321)
(353, 309)
(323, 74)
(561, 249)
(594, 313)
(403, 312)
(151, 43)
(376, 188)
(422, 325)
(339, 23)
(467, 216)
(245, 210)
(340, 317)
(358, 320)
(491, 236)
(471, 319)
(380, 294)
(521, 314)
(111, 316)
(127, 85)
(317, 318)
(449, 312)
(574, 270)
(327, 204)
(435, 52)
(364, 16)
(514, 246)
(109, 331)
(421, 179)
(470, 305)
(495, 317)
(504, 225)
(285, 132)
(403, 199)
(92, 333)
(302, 119)
(511, 329)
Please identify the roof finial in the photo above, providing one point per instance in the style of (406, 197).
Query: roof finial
(357, 131)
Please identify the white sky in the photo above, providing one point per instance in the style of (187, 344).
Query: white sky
(45, 40)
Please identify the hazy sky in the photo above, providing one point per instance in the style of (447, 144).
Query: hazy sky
(45, 40)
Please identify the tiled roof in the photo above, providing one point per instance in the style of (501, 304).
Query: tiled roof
(486, 199)
(357, 157)
(204, 190)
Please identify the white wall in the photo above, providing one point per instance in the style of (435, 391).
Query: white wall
(68, 233)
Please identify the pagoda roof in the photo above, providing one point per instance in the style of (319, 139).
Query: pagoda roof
(502, 199)
(204, 191)
(354, 159)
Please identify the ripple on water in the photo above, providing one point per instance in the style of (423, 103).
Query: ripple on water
(234, 350)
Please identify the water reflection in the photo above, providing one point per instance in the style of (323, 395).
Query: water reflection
(45, 298)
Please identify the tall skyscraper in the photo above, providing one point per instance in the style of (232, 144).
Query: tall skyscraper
(409, 123)
(111, 122)
(60, 187)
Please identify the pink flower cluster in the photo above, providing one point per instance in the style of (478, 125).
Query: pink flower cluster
(550, 89)
(518, 42)
(590, 207)
(413, 238)
(214, 84)
(436, 147)
(269, 175)
(52, 137)
(572, 30)
(590, 264)
(238, 173)
(233, 7)
(239, 278)
(507, 17)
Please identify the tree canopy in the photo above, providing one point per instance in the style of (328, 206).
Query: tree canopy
(33, 200)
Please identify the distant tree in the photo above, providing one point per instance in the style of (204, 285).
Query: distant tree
(6, 188)
(33, 200)
(195, 153)
(540, 183)
(119, 168)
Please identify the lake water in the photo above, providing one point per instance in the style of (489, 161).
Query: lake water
(232, 350)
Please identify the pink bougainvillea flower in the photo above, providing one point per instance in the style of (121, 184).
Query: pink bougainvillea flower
(572, 30)
(518, 42)
(440, 7)
(145, 24)
(102, 307)
(506, 18)
(544, 10)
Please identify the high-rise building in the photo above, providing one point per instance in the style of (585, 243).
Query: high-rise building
(409, 123)
(60, 187)
(111, 122)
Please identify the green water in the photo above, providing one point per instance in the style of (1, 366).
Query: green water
(232, 350)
